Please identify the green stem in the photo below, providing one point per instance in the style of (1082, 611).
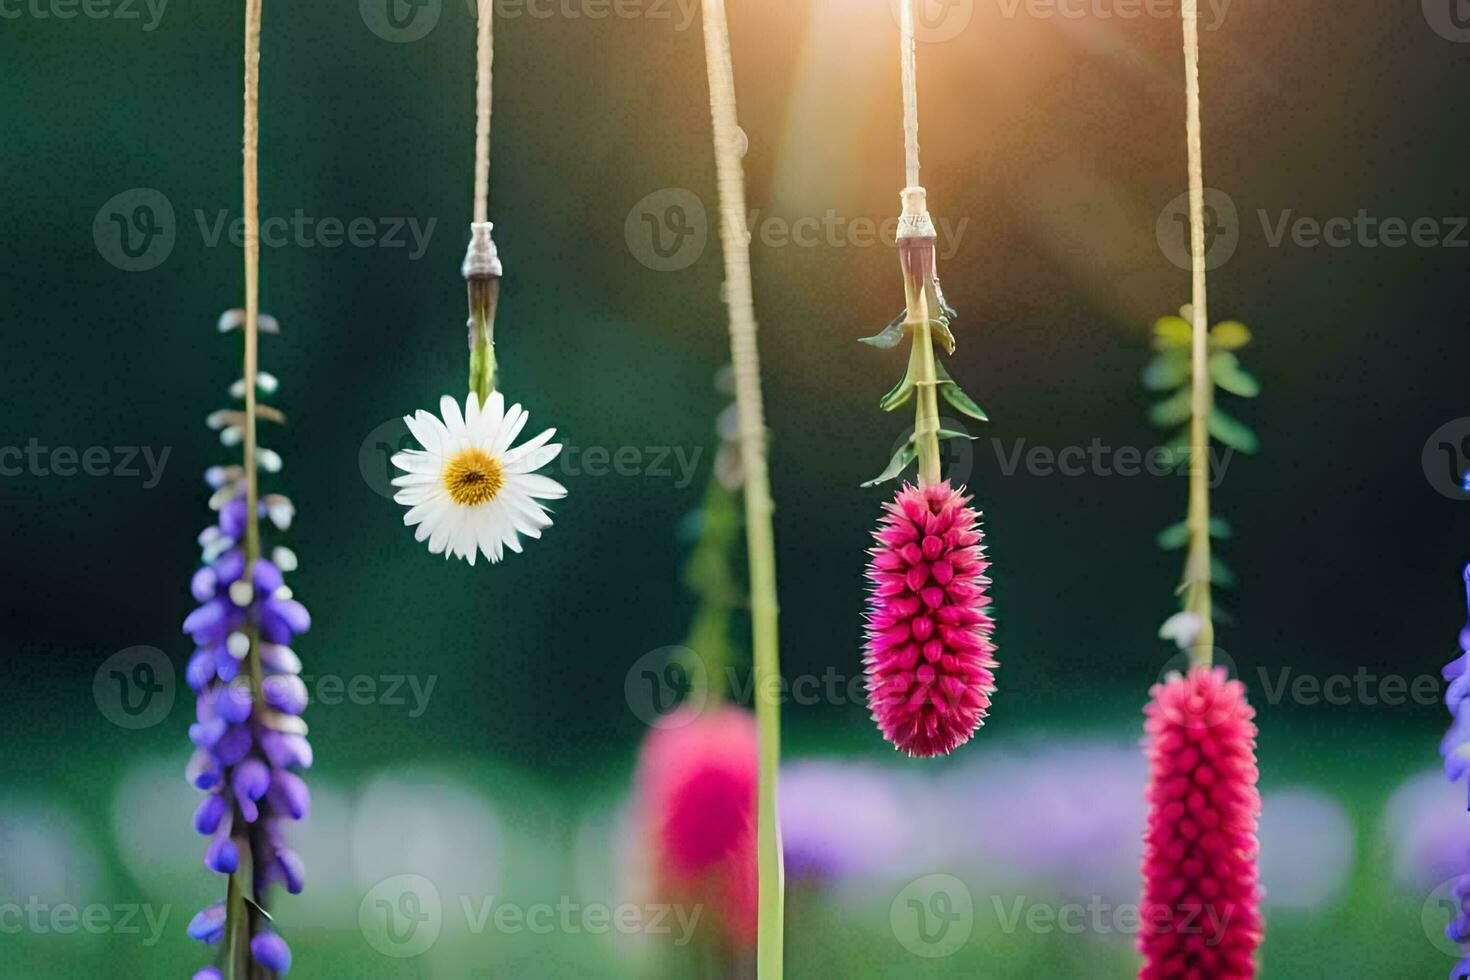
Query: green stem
(760, 536)
(1202, 393)
(484, 297)
(917, 258)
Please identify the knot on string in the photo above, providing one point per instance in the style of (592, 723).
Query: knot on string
(481, 260)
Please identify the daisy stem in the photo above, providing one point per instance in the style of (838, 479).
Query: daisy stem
(760, 535)
(1198, 572)
(484, 296)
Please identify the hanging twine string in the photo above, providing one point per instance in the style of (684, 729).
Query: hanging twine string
(910, 94)
(484, 58)
(252, 269)
(481, 268)
(760, 538)
(1202, 393)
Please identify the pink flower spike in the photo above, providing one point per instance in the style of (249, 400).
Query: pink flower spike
(1201, 894)
(696, 786)
(929, 657)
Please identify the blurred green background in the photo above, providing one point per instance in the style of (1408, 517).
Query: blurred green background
(1052, 152)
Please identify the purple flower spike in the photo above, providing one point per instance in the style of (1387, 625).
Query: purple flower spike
(206, 734)
(222, 855)
(233, 746)
(267, 577)
(250, 781)
(247, 731)
(280, 619)
(229, 566)
(286, 750)
(279, 659)
(203, 584)
(291, 870)
(271, 952)
(285, 692)
(206, 620)
(232, 518)
(209, 925)
(210, 813)
(200, 670)
(202, 772)
(289, 792)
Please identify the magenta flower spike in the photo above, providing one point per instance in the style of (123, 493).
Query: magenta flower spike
(929, 659)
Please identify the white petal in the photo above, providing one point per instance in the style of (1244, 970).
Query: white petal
(536, 485)
(428, 430)
(472, 413)
(453, 420)
(492, 414)
(515, 421)
(418, 461)
(411, 496)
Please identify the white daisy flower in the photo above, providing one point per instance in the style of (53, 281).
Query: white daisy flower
(467, 489)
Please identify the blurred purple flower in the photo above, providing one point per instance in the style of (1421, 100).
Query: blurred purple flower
(1080, 834)
(840, 820)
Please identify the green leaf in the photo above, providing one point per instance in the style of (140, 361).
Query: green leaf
(1171, 411)
(940, 328)
(955, 395)
(1176, 536)
(951, 434)
(1171, 332)
(1230, 335)
(906, 454)
(1173, 537)
(1178, 448)
(1233, 433)
(1226, 372)
(1220, 573)
(1167, 371)
(905, 389)
(890, 336)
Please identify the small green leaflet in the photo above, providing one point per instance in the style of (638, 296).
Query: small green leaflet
(1171, 411)
(1225, 371)
(1167, 371)
(1229, 335)
(1171, 332)
(904, 390)
(890, 336)
(956, 396)
(1176, 536)
(906, 454)
(1233, 433)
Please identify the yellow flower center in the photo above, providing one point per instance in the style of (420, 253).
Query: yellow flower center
(473, 477)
